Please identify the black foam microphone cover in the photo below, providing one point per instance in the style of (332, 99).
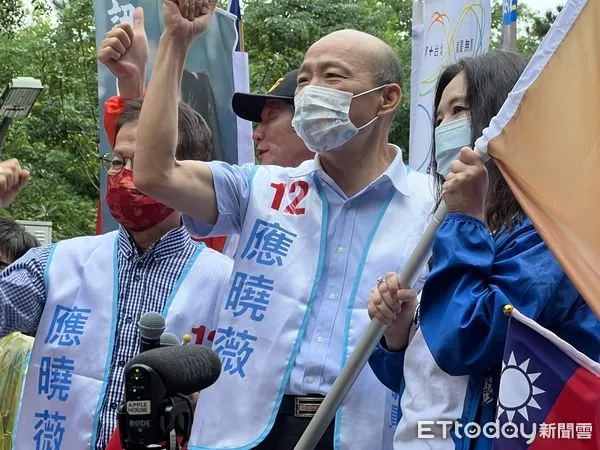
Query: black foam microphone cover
(184, 369)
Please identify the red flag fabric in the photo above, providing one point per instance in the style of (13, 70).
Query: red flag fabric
(549, 392)
(115, 442)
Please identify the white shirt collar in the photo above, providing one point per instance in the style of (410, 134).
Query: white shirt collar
(396, 172)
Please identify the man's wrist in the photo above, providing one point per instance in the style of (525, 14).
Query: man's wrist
(132, 87)
(176, 40)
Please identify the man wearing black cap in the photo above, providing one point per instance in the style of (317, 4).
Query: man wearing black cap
(276, 141)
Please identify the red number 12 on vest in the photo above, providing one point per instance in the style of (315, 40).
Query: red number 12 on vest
(300, 188)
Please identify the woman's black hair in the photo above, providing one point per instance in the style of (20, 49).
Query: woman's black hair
(490, 77)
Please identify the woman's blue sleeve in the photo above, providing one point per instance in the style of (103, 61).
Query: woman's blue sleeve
(474, 276)
(388, 367)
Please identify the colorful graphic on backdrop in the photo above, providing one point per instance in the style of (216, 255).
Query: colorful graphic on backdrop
(447, 31)
(212, 73)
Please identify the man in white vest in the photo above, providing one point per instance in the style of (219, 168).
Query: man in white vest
(83, 297)
(313, 240)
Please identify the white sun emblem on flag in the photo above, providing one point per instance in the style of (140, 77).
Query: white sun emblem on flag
(517, 389)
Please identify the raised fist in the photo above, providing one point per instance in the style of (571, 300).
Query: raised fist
(124, 49)
(187, 18)
(12, 180)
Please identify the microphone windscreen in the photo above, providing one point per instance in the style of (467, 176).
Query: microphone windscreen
(169, 339)
(184, 369)
(151, 325)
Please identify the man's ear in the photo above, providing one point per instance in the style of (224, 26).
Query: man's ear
(391, 98)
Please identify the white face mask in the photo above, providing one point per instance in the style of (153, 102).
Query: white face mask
(321, 117)
(450, 138)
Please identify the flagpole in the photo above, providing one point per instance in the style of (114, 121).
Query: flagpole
(361, 354)
(509, 26)
(241, 37)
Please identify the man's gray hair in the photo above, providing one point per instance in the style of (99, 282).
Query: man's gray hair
(387, 68)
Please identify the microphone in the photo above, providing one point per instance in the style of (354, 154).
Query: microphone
(168, 339)
(151, 327)
(157, 383)
(182, 369)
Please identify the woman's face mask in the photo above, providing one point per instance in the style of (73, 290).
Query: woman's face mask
(450, 138)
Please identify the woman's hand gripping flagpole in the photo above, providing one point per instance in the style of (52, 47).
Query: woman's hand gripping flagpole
(361, 354)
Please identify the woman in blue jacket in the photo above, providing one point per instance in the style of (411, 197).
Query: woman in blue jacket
(445, 360)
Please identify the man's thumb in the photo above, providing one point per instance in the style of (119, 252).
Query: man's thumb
(138, 19)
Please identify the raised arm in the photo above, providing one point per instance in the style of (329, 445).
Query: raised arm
(184, 185)
(124, 51)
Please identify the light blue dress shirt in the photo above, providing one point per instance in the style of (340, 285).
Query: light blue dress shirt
(350, 220)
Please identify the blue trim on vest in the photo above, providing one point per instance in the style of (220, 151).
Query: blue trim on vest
(226, 246)
(252, 174)
(470, 405)
(400, 394)
(183, 276)
(47, 268)
(353, 294)
(303, 325)
(111, 344)
(25, 367)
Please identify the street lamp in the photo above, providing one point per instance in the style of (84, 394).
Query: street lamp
(17, 101)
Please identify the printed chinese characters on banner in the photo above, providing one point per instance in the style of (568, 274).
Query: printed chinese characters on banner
(121, 12)
(452, 29)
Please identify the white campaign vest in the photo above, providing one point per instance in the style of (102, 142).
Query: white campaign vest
(429, 394)
(239, 410)
(77, 331)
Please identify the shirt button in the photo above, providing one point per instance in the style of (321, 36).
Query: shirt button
(332, 296)
(137, 278)
(129, 320)
(113, 406)
(309, 379)
(122, 363)
(320, 339)
(340, 250)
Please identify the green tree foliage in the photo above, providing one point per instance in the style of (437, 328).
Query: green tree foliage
(58, 141)
(278, 32)
(531, 27)
(11, 16)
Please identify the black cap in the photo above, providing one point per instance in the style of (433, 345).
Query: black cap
(249, 106)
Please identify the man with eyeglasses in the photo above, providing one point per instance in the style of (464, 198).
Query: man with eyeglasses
(84, 296)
